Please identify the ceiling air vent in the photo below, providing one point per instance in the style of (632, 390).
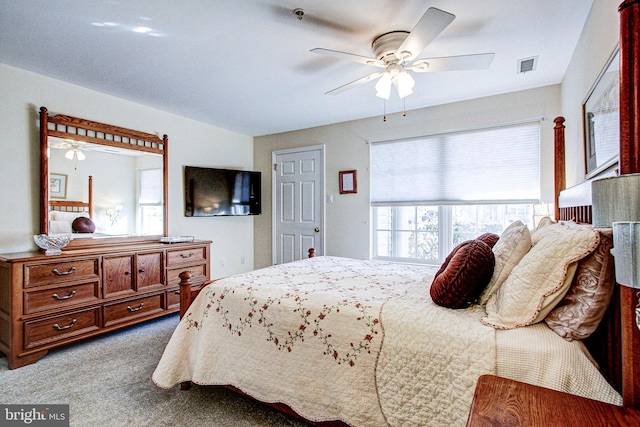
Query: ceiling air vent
(527, 64)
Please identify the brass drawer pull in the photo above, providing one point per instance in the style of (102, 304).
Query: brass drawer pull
(62, 328)
(59, 298)
(187, 256)
(135, 309)
(141, 270)
(63, 273)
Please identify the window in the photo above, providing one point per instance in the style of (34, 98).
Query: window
(431, 193)
(150, 207)
(427, 234)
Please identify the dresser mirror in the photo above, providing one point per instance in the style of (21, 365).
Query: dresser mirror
(114, 176)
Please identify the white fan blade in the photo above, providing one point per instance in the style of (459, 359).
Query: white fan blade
(432, 23)
(354, 83)
(350, 56)
(480, 61)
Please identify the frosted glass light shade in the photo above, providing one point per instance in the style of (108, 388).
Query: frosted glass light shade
(75, 153)
(626, 247)
(383, 86)
(405, 84)
(616, 198)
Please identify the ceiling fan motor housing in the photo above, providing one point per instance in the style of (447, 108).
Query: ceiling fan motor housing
(385, 45)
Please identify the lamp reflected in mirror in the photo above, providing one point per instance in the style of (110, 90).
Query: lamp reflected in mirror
(114, 214)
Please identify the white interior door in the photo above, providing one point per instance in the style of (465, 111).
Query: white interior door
(298, 203)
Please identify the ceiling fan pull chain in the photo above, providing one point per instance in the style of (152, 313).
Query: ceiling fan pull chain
(404, 107)
(384, 110)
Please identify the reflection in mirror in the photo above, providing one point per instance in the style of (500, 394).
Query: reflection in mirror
(127, 187)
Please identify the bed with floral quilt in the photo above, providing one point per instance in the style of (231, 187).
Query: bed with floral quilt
(370, 343)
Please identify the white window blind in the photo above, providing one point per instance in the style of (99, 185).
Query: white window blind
(151, 186)
(493, 165)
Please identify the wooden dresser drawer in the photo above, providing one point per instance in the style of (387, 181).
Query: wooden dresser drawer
(186, 256)
(198, 274)
(61, 297)
(127, 310)
(57, 328)
(64, 271)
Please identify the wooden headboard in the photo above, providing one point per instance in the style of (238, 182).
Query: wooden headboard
(616, 342)
(75, 206)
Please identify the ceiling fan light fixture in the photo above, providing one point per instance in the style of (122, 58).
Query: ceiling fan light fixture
(383, 86)
(75, 153)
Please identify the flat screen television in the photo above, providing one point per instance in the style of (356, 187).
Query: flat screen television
(221, 192)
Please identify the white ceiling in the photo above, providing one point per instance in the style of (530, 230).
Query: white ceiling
(245, 65)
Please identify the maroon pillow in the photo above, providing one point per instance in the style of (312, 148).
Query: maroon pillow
(82, 224)
(463, 275)
(489, 238)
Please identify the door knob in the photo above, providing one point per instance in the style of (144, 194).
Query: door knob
(317, 229)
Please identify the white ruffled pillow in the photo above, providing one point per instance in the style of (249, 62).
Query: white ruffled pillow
(66, 216)
(541, 278)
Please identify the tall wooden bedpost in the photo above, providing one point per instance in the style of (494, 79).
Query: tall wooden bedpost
(629, 162)
(560, 169)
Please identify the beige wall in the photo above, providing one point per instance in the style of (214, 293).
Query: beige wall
(190, 143)
(347, 226)
(600, 36)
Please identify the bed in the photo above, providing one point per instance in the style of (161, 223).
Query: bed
(362, 343)
(350, 342)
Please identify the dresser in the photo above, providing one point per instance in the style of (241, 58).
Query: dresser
(49, 301)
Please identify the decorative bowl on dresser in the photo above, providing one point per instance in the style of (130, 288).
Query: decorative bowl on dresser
(49, 301)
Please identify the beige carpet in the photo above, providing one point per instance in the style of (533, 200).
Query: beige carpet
(107, 382)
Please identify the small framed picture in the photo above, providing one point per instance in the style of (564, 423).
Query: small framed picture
(57, 186)
(348, 182)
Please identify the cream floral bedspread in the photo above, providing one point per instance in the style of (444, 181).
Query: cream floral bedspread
(335, 339)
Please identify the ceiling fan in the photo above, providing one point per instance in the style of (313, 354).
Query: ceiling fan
(74, 148)
(396, 52)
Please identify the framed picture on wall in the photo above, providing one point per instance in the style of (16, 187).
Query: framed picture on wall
(348, 182)
(57, 185)
(600, 115)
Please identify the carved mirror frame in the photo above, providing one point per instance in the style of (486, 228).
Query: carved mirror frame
(76, 129)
